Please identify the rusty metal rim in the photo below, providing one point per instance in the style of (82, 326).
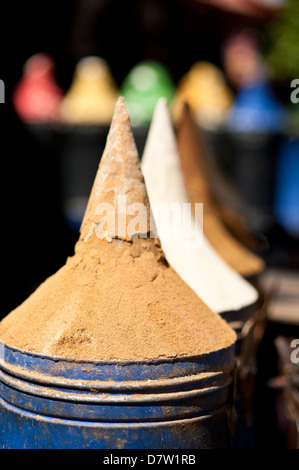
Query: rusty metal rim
(227, 353)
(85, 375)
(225, 409)
(241, 315)
(46, 392)
(99, 385)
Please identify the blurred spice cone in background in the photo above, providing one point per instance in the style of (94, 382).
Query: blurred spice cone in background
(92, 95)
(198, 186)
(37, 96)
(205, 90)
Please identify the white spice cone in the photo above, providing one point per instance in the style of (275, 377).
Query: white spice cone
(215, 282)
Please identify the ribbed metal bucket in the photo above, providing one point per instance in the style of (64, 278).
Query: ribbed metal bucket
(242, 321)
(48, 402)
(237, 320)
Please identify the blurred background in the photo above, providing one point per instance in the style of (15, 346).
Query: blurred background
(64, 64)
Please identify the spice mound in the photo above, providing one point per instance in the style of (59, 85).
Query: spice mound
(196, 173)
(92, 95)
(188, 251)
(116, 298)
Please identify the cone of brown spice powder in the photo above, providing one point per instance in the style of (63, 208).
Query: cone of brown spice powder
(195, 172)
(116, 298)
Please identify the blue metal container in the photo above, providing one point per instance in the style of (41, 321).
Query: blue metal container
(55, 403)
(237, 320)
(242, 321)
(287, 186)
(256, 109)
(255, 124)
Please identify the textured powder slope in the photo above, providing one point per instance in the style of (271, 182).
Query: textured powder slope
(116, 298)
(196, 177)
(220, 286)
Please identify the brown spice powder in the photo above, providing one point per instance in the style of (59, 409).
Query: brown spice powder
(196, 176)
(116, 299)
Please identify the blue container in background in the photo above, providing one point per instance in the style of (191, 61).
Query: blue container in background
(55, 403)
(287, 186)
(256, 109)
(255, 124)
